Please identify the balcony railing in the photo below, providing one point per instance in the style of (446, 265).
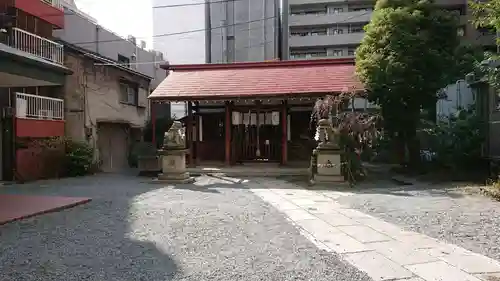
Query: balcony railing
(54, 3)
(39, 107)
(36, 45)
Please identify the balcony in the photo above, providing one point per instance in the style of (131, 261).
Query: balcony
(51, 11)
(39, 116)
(54, 3)
(38, 46)
(326, 40)
(330, 19)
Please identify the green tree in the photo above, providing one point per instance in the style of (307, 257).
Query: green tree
(409, 52)
(486, 14)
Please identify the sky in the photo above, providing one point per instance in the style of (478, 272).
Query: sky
(124, 17)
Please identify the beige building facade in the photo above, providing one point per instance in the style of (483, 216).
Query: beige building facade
(106, 105)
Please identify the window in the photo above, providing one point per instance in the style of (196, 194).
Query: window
(336, 53)
(305, 54)
(351, 51)
(308, 32)
(123, 60)
(298, 33)
(319, 31)
(335, 10)
(362, 9)
(311, 10)
(356, 29)
(129, 93)
(336, 31)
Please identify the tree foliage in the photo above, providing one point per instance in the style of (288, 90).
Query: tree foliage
(356, 130)
(409, 52)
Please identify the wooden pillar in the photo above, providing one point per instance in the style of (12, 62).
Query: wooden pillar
(153, 124)
(284, 135)
(227, 126)
(198, 130)
(189, 133)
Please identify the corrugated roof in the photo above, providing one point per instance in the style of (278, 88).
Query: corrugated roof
(257, 79)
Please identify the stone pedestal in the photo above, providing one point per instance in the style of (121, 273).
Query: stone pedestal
(328, 155)
(329, 166)
(173, 157)
(173, 167)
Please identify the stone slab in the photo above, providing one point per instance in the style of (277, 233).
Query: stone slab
(473, 263)
(418, 241)
(336, 219)
(377, 266)
(342, 243)
(317, 228)
(363, 234)
(386, 228)
(402, 253)
(354, 214)
(440, 271)
(284, 205)
(298, 214)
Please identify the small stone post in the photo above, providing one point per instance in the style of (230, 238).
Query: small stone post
(328, 155)
(173, 154)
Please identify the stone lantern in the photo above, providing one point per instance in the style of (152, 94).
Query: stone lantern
(173, 152)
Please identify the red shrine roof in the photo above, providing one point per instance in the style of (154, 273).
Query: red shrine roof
(256, 79)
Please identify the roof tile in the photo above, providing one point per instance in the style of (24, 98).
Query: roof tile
(257, 80)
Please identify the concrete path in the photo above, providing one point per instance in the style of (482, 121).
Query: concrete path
(383, 250)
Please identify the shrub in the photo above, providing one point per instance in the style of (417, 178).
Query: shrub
(456, 142)
(79, 159)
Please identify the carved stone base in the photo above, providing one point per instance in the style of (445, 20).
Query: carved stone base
(328, 179)
(179, 178)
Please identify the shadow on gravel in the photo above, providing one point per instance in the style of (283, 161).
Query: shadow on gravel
(89, 242)
(386, 186)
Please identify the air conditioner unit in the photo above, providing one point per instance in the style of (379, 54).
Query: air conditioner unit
(45, 114)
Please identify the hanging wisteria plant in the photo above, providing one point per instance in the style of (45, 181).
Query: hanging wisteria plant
(356, 130)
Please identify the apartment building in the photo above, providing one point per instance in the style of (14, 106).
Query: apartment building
(322, 28)
(243, 30)
(83, 31)
(32, 77)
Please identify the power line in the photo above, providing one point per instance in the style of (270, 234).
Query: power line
(195, 4)
(205, 29)
(248, 47)
(154, 62)
(179, 33)
(73, 12)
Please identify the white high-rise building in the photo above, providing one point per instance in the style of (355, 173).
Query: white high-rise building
(186, 47)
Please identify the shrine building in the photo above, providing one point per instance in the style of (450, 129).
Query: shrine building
(252, 111)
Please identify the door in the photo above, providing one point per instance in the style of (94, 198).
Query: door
(257, 136)
(113, 142)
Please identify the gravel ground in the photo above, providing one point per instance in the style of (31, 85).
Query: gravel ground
(134, 230)
(455, 215)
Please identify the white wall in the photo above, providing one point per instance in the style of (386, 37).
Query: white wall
(458, 95)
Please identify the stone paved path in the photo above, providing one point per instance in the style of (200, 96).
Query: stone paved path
(134, 231)
(381, 249)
